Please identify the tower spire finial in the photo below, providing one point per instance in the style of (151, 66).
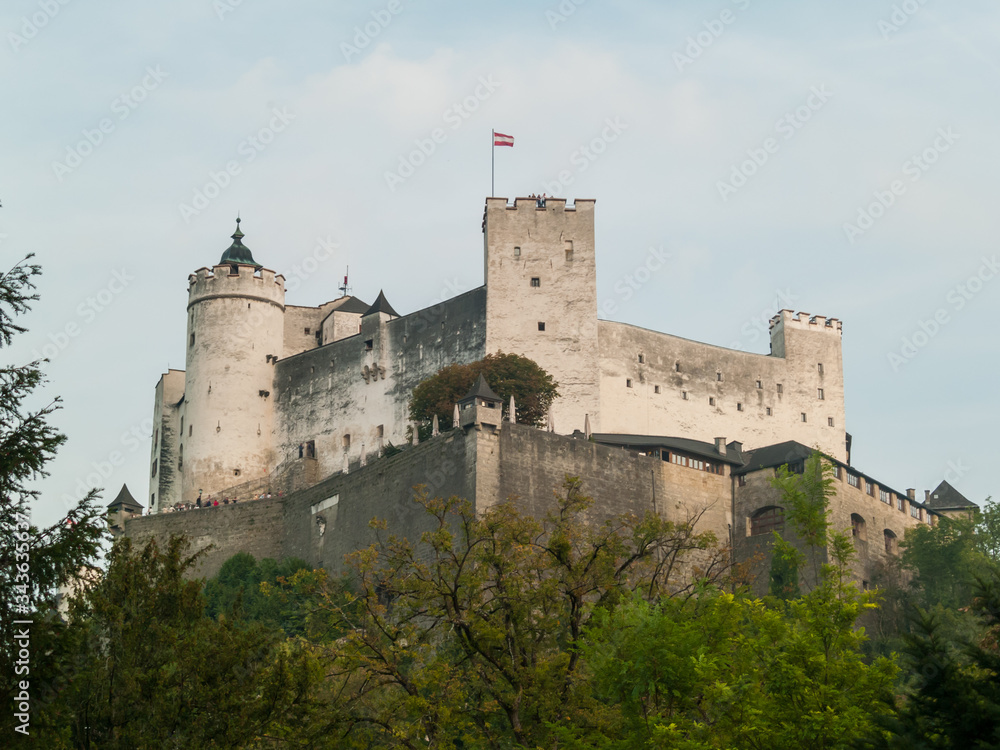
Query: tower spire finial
(238, 253)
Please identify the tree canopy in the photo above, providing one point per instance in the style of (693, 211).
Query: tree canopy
(34, 561)
(508, 375)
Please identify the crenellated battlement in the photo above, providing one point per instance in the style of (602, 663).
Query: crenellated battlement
(805, 321)
(262, 283)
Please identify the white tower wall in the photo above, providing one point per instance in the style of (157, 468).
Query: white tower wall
(235, 334)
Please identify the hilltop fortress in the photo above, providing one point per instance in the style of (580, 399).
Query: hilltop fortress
(303, 401)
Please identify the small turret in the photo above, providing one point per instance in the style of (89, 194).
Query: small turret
(481, 406)
(121, 509)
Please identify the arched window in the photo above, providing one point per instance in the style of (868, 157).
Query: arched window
(858, 527)
(891, 542)
(766, 520)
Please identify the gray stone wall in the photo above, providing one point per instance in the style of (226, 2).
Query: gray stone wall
(256, 527)
(326, 395)
(383, 489)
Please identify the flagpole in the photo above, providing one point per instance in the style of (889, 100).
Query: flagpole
(493, 163)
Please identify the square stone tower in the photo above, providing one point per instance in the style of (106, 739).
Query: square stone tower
(541, 296)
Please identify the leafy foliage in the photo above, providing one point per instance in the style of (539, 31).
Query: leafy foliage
(148, 668)
(34, 561)
(473, 637)
(533, 388)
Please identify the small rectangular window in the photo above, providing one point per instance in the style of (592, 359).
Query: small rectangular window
(192, 340)
(739, 406)
(718, 376)
(711, 400)
(517, 252)
(803, 415)
(780, 388)
(628, 382)
(541, 325)
(819, 368)
(884, 496)
(838, 473)
(190, 429)
(684, 395)
(656, 389)
(915, 511)
(741, 480)
(759, 385)
(870, 488)
(307, 332)
(369, 345)
(819, 393)
(536, 281)
(569, 251)
(767, 410)
(642, 359)
(852, 479)
(155, 466)
(677, 366)
(829, 421)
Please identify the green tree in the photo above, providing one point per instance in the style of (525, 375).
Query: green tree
(473, 636)
(246, 587)
(148, 668)
(533, 388)
(726, 670)
(953, 701)
(942, 559)
(34, 561)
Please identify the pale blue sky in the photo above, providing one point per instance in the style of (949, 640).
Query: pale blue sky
(220, 71)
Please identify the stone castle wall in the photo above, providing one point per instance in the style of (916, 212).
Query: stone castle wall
(357, 390)
(656, 384)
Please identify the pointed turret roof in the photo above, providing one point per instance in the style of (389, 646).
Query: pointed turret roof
(238, 252)
(125, 500)
(946, 497)
(381, 306)
(482, 390)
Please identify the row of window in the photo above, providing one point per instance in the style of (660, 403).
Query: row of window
(772, 518)
(884, 495)
(567, 251)
(693, 463)
(718, 373)
(629, 383)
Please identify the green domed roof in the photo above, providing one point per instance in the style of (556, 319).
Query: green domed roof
(238, 253)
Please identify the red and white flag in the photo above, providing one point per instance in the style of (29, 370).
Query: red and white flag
(499, 139)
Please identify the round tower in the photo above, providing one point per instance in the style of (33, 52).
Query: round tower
(234, 336)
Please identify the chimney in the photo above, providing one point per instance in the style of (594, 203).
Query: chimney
(911, 494)
(720, 446)
(927, 496)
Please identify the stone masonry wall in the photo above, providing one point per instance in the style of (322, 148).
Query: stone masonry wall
(256, 527)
